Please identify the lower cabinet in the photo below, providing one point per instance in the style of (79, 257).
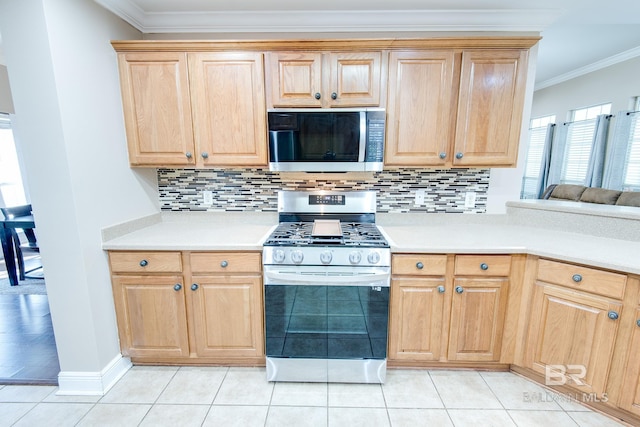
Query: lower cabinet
(630, 391)
(448, 308)
(573, 325)
(152, 317)
(210, 310)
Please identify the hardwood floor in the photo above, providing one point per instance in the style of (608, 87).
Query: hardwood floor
(28, 353)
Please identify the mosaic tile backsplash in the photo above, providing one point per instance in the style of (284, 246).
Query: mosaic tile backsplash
(257, 189)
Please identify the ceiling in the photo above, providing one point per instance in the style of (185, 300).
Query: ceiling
(579, 36)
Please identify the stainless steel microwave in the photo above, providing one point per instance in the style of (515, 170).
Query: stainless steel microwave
(326, 140)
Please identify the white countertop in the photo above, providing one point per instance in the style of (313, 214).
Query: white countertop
(419, 233)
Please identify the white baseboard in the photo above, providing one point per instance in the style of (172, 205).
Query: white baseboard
(93, 383)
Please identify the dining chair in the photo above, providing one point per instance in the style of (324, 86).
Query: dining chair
(31, 245)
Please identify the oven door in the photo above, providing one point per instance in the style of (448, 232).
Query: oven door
(318, 317)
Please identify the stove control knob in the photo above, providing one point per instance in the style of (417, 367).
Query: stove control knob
(325, 257)
(355, 257)
(297, 257)
(278, 256)
(373, 257)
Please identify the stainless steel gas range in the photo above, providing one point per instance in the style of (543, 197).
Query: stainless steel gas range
(326, 278)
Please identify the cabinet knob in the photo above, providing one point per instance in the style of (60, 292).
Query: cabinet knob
(459, 155)
(484, 266)
(334, 95)
(188, 154)
(317, 95)
(205, 155)
(419, 265)
(613, 315)
(443, 155)
(577, 278)
(459, 289)
(441, 289)
(177, 287)
(194, 287)
(638, 322)
(224, 264)
(144, 263)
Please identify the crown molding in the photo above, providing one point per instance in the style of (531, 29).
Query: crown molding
(612, 60)
(534, 20)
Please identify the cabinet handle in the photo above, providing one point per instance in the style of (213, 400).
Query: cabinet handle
(334, 95)
(443, 155)
(419, 265)
(194, 287)
(188, 154)
(613, 315)
(638, 322)
(205, 155)
(484, 266)
(224, 264)
(577, 278)
(317, 95)
(177, 287)
(459, 289)
(144, 263)
(459, 155)
(441, 289)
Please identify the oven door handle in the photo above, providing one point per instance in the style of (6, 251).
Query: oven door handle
(278, 278)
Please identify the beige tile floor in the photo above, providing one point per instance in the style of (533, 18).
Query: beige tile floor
(193, 396)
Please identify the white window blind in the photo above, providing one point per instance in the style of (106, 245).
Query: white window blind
(537, 134)
(579, 142)
(632, 174)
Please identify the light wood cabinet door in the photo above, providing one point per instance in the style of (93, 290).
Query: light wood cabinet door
(354, 79)
(151, 316)
(630, 393)
(227, 316)
(477, 319)
(296, 78)
(416, 322)
(157, 108)
(229, 110)
(325, 80)
(490, 104)
(421, 106)
(573, 330)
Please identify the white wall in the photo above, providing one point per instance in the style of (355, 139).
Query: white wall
(64, 80)
(6, 102)
(616, 84)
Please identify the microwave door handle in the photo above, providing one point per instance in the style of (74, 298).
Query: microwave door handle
(363, 136)
(300, 279)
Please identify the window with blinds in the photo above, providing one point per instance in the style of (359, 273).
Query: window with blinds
(579, 141)
(632, 173)
(537, 134)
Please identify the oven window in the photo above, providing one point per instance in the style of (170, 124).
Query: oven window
(326, 322)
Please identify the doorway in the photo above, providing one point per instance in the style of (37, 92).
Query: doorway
(28, 353)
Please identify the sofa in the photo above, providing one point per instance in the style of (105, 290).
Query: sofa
(580, 193)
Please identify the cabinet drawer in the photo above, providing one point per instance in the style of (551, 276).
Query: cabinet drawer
(483, 265)
(584, 278)
(145, 262)
(225, 262)
(419, 265)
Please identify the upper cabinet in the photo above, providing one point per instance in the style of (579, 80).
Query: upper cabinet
(325, 80)
(157, 108)
(450, 102)
(490, 104)
(450, 108)
(228, 102)
(194, 109)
